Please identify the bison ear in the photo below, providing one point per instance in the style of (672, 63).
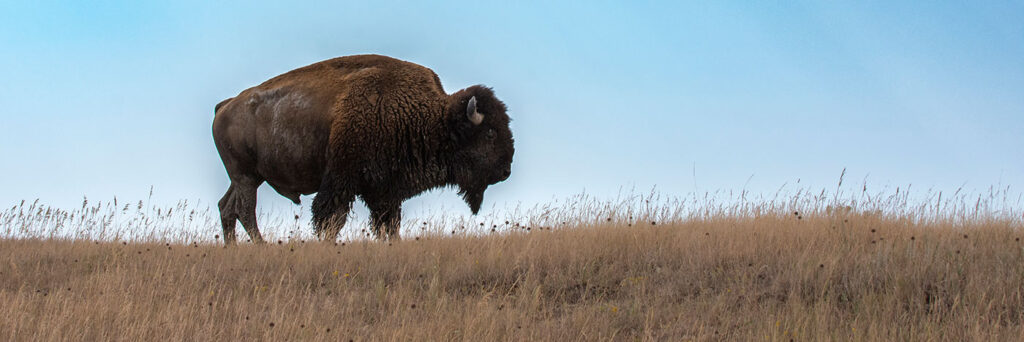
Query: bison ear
(474, 116)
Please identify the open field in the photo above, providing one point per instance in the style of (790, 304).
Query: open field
(881, 269)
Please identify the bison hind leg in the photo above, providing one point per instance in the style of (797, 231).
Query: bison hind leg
(239, 203)
(228, 216)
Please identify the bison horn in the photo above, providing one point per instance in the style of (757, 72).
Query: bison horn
(474, 116)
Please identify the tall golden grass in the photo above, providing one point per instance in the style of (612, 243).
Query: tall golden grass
(804, 266)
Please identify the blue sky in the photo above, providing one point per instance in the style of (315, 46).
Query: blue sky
(108, 98)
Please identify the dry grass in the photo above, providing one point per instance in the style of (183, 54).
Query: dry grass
(627, 269)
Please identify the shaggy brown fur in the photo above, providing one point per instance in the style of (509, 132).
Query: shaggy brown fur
(368, 126)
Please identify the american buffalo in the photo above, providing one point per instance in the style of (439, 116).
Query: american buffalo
(369, 126)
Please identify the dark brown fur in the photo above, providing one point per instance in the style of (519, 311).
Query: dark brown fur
(368, 126)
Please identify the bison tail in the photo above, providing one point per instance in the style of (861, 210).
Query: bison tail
(216, 108)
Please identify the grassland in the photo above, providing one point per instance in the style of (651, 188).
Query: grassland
(811, 267)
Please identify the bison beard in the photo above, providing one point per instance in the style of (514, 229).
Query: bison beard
(473, 198)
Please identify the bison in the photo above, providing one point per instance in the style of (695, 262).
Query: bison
(370, 126)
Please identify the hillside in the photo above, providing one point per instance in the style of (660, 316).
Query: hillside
(822, 275)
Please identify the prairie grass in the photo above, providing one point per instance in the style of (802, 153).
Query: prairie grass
(804, 266)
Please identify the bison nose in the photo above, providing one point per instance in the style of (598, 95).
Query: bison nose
(505, 173)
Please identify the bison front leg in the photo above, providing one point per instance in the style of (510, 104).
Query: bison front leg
(330, 211)
(386, 219)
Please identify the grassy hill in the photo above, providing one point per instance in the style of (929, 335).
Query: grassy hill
(754, 272)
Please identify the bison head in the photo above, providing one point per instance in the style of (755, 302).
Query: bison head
(483, 142)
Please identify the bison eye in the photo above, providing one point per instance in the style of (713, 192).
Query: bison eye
(490, 134)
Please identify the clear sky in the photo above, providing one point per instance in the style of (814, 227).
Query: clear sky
(105, 98)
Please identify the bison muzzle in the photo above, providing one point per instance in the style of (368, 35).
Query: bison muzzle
(369, 126)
